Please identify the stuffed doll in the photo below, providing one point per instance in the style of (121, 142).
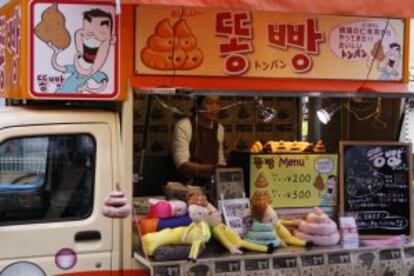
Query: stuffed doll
(196, 234)
(167, 209)
(318, 228)
(262, 211)
(150, 225)
(261, 231)
(229, 238)
(164, 214)
(116, 204)
(169, 236)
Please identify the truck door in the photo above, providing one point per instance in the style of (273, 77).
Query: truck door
(53, 182)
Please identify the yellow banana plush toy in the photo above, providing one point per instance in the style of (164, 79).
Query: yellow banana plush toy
(287, 237)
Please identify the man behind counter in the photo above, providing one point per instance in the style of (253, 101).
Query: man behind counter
(197, 145)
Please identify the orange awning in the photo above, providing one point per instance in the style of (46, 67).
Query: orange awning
(378, 8)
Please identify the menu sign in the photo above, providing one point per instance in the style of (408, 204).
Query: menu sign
(295, 180)
(376, 186)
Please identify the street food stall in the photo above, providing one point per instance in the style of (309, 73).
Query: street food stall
(302, 109)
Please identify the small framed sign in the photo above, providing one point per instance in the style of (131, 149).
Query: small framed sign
(236, 214)
(229, 183)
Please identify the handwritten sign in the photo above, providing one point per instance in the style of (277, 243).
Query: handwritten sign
(295, 180)
(376, 186)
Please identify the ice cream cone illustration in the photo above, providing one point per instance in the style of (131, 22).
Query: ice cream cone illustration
(116, 204)
(52, 29)
(258, 195)
(377, 51)
(261, 181)
(172, 47)
(188, 43)
(318, 184)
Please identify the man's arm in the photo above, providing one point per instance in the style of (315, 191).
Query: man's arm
(55, 63)
(197, 169)
(220, 138)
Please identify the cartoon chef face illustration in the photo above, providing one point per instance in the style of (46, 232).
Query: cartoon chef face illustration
(93, 42)
(390, 70)
(331, 184)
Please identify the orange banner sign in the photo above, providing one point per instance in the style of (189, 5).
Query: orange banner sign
(210, 42)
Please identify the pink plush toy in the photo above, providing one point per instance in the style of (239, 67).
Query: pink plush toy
(167, 209)
(160, 209)
(318, 228)
(178, 208)
(116, 204)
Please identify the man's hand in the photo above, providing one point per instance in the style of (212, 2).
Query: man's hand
(235, 250)
(56, 52)
(96, 90)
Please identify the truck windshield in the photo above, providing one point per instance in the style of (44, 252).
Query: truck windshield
(46, 178)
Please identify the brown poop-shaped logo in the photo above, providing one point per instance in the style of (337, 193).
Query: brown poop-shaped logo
(188, 42)
(172, 47)
(51, 28)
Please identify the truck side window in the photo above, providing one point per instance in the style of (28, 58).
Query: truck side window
(46, 178)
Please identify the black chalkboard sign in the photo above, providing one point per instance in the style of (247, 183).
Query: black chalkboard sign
(376, 186)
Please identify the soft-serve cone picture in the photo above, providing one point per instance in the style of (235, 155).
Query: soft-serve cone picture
(52, 28)
(261, 181)
(172, 47)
